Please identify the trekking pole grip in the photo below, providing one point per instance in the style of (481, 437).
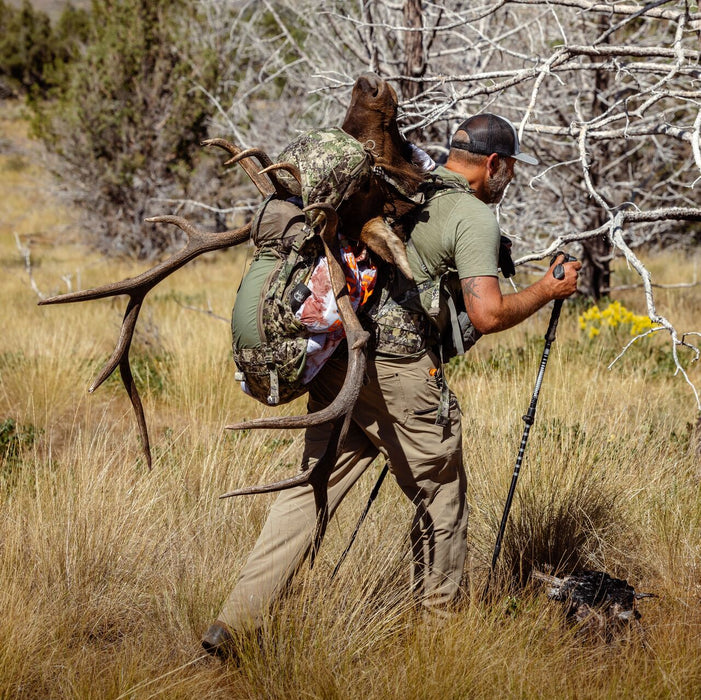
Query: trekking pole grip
(558, 273)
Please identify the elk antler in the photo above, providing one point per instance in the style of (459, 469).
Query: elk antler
(339, 411)
(137, 288)
(263, 184)
(198, 242)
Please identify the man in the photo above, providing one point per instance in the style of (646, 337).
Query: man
(405, 411)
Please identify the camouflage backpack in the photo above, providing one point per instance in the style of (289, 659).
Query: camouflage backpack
(269, 343)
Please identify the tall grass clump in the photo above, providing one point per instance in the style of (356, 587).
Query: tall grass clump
(110, 573)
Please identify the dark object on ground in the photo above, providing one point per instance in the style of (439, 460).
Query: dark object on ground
(601, 604)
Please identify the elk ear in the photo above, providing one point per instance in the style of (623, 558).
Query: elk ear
(378, 235)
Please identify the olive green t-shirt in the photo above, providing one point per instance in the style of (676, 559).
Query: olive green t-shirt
(455, 230)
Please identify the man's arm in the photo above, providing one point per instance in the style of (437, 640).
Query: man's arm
(490, 311)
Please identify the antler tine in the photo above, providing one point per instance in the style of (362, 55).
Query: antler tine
(292, 169)
(263, 184)
(268, 167)
(263, 158)
(122, 357)
(300, 479)
(137, 288)
(339, 410)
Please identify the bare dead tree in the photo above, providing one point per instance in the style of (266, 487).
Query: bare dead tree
(415, 56)
(607, 94)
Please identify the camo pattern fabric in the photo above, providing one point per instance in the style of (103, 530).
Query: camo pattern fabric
(398, 322)
(400, 333)
(332, 165)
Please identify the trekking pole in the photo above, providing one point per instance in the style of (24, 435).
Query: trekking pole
(373, 496)
(558, 273)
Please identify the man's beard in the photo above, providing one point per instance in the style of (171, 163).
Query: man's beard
(495, 186)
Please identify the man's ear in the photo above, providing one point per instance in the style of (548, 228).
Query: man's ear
(492, 164)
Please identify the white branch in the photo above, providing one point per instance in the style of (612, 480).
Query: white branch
(26, 254)
(619, 242)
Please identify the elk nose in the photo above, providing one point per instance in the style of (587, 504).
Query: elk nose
(369, 82)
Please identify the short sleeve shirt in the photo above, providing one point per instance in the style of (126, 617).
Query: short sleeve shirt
(455, 231)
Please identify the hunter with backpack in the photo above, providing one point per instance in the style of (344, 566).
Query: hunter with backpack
(405, 410)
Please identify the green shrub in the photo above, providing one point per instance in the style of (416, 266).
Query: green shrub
(33, 54)
(14, 439)
(126, 121)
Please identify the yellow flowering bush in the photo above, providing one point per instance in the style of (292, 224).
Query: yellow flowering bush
(614, 316)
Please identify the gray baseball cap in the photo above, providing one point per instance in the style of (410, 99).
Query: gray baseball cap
(487, 134)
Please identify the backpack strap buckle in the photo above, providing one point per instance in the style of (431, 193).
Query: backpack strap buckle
(273, 397)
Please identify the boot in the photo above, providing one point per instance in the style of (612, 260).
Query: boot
(218, 641)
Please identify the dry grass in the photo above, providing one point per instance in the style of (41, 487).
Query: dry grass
(110, 573)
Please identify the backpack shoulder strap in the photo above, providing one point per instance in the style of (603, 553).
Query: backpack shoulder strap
(436, 186)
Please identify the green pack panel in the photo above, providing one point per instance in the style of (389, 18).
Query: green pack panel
(244, 320)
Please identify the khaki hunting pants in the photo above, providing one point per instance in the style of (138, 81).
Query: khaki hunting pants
(395, 415)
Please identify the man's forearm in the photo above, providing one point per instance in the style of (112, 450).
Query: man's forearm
(490, 312)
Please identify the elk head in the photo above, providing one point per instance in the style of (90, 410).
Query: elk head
(371, 118)
(380, 212)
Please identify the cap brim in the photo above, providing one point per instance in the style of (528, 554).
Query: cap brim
(525, 158)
